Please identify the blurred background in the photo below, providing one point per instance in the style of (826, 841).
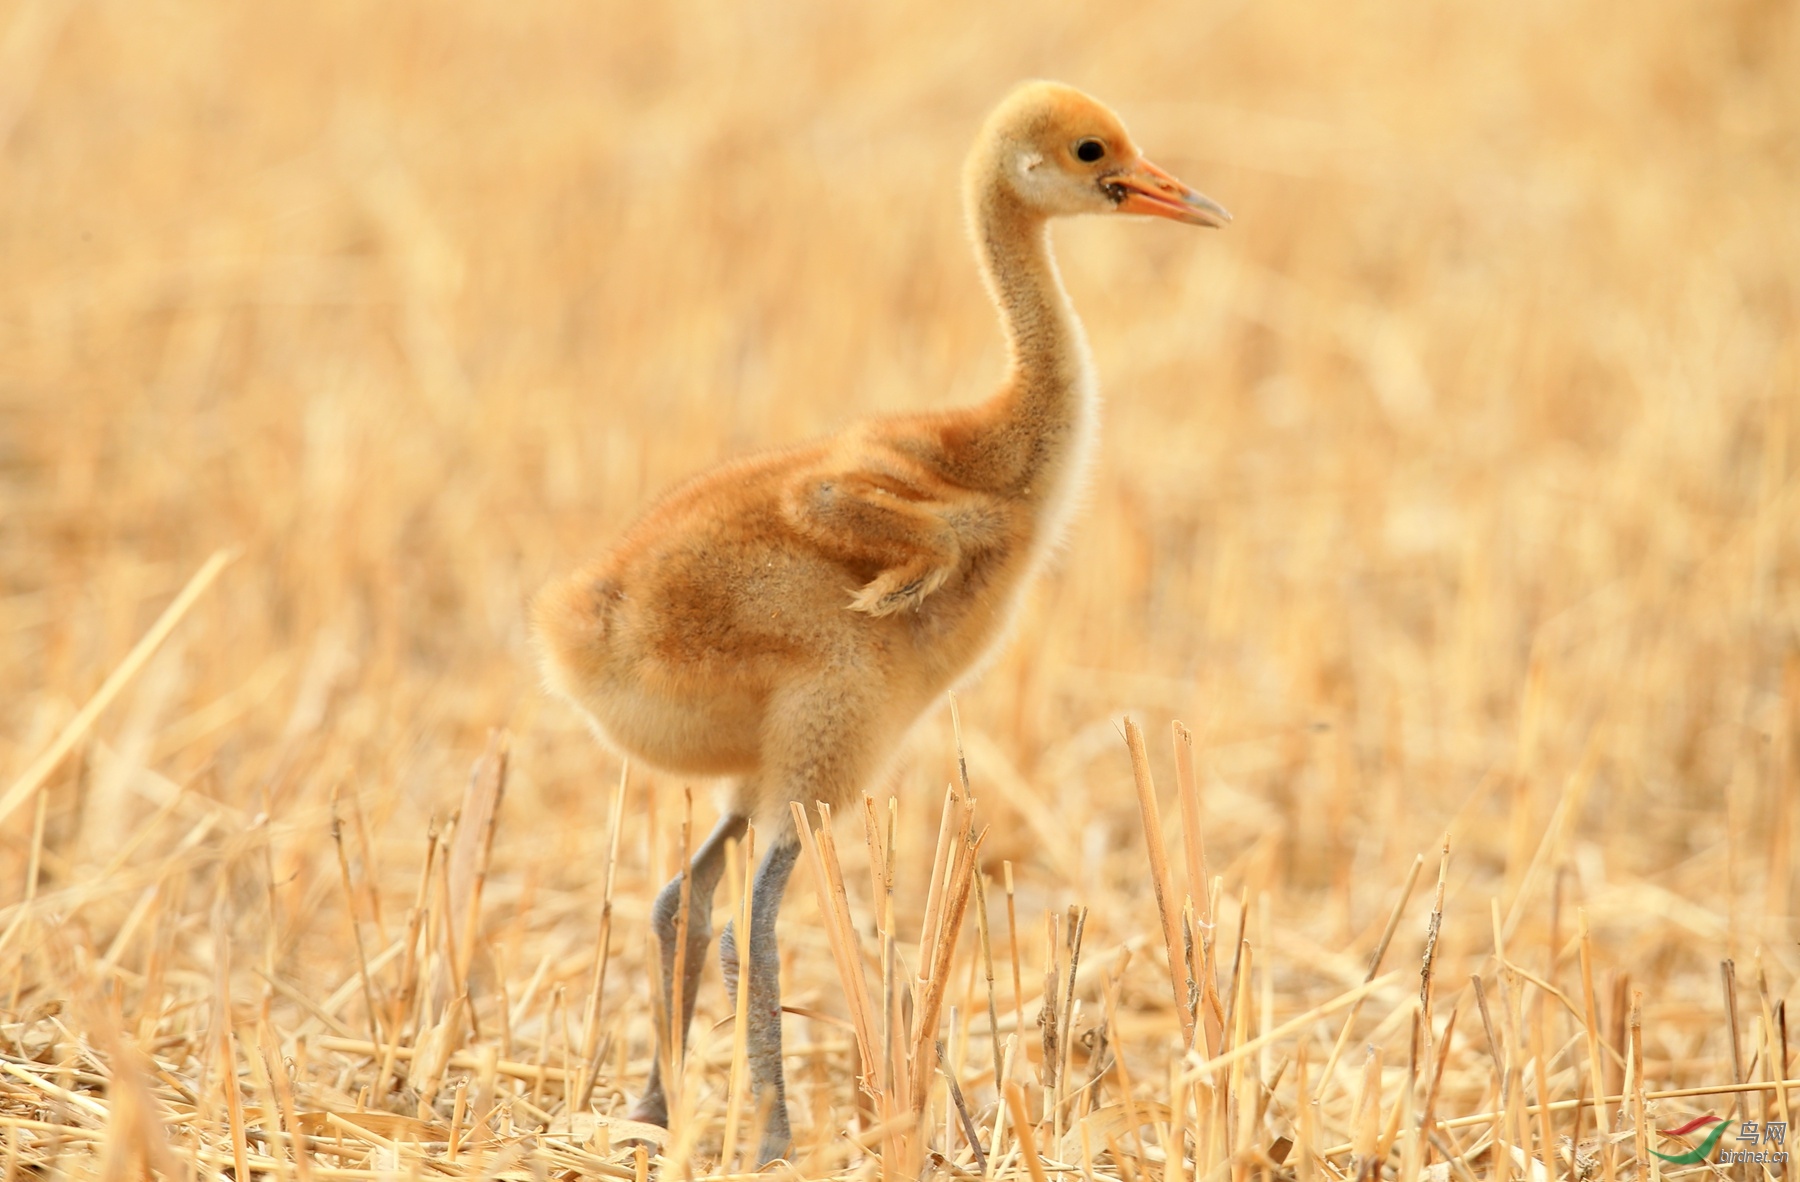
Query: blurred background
(1452, 488)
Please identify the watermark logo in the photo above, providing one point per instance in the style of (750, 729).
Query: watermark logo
(1753, 1142)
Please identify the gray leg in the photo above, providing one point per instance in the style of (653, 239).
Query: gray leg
(762, 1037)
(665, 919)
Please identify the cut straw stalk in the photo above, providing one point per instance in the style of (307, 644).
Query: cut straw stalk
(1545, 1130)
(474, 846)
(964, 1120)
(956, 903)
(940, 869)
(34, 776)
(1728, 979)
(1012, 937)
(362, 960)
(1367, 1121)
(1022, 1131)
(1074, 931)
(234, 1100)
(33, 862)
(1774, 1044)
(1591, 1020)
(590, 1018)
(1192, 836)
(1236, 1088)
(1584, 1101)
(1639, 1101)
(872, 838)
(466, 1060)
(985, 935)
(1193, 842)
(1291, 1026)
(1387, 936)
(841, 936)
(1179, 984)
(1556, 833)
(417, 918)
(1428, 960)
(863, 1015)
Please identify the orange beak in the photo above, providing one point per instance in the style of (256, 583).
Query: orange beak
(1145, 188)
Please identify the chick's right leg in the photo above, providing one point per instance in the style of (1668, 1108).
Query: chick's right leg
(703, 874)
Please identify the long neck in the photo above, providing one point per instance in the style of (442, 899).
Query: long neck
(1041, 419)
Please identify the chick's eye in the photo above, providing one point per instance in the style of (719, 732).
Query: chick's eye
(1089, 150)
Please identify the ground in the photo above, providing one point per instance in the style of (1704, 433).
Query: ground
(1450, 491)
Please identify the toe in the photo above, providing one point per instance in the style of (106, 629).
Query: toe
(650, 1110)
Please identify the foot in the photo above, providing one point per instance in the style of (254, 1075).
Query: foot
(776, 1144)
(650, 1109)
(896, 590)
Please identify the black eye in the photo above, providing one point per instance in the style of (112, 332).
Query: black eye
(1089, 150)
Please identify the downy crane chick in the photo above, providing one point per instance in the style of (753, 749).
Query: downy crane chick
(782, 620)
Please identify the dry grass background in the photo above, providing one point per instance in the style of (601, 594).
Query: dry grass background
(1452, 489)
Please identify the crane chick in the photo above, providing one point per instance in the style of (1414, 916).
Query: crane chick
(780, 621)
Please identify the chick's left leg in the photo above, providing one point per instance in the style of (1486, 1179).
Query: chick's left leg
(665, 920)
(762, 1033)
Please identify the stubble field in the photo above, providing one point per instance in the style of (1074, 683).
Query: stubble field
(1451, 494)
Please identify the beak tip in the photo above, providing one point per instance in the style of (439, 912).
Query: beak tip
(1147, 189)
(1211, 213)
